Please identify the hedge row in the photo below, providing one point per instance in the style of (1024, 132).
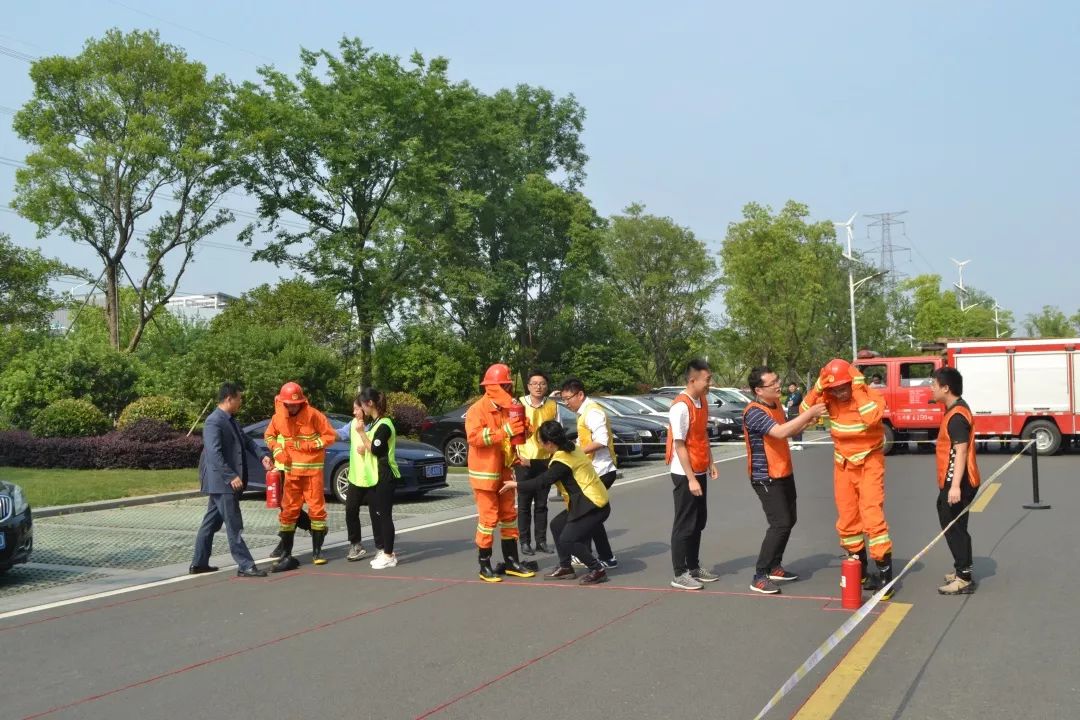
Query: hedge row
(144, 446)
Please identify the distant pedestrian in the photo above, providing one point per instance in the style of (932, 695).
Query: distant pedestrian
(373, 473)
(794, 399)
(772, 474)
(222, 477)
(533, 500)
(691, 464)
(586, 498)
(957, 476)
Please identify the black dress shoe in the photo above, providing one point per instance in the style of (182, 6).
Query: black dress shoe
(542, 547)
(526, 549)
(200, 569)
(253, 572)
(561, 572)
(599, 575)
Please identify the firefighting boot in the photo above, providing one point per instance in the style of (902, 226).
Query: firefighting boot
(885, 571)
(486, 573)
(286, 561)
(513, 565)
(861, 557)
(317, 537)
(304, 520)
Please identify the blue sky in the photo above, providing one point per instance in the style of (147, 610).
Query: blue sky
(965, 114)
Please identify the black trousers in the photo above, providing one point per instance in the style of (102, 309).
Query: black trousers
(958, 537)
(778, 502)
(691, 514)
(529, 499)
(603, 545)
(572, 536)
(380, 502)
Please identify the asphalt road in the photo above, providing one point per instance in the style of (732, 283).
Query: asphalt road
(427, 639)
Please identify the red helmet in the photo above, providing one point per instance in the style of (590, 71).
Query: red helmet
(837, 372)
(497, 374)
(291, 394)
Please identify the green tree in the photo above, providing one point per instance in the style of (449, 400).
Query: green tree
(25, 297)
(351, 146)
(786, 289)
(1050, 322)
(429, 361)
(515, 245)
(292, 303)
(127, 123)
(936, 314)
(662, 279)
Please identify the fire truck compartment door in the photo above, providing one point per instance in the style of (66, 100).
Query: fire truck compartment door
(1041, 382)
(986, 383)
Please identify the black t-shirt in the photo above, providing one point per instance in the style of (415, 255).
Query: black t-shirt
(380, 448)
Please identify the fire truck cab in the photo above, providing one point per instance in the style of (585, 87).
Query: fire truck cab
(1026, 389)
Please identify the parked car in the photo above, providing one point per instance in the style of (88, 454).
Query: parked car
(728, 415)
(717, 396)
(652, 430)
(422, 466)
(447, 432)
(16, 527)
(657, 406)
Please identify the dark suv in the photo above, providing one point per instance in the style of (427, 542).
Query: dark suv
(16, 526)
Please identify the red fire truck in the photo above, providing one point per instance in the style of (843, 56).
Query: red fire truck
(1027, 389)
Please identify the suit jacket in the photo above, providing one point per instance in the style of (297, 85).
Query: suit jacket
(223, 451)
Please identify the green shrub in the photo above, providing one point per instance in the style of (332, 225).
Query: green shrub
(407, 412)
(70, 418)
(174, 412)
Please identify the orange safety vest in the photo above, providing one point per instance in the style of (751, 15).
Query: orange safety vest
(489, 444)
(855, 426)
(286, 433)
(697, 436)
(944, 447)
(777, 450)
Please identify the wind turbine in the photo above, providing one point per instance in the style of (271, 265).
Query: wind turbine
(852, 284)
(960, 285)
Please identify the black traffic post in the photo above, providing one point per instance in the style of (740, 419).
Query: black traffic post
(1035, 504)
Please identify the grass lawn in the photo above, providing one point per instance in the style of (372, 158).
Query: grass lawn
(45, 488)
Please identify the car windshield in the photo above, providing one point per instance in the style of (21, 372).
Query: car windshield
(655, 403)
(621, 406)
(338, 421)
(730, 396)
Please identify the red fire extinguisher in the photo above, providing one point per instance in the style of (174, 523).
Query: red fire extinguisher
(850, 583)
(517, 410)
(273, 488)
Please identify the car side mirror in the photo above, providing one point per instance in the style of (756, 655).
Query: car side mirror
(719, 403)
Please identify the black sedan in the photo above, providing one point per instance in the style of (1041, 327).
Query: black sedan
(16, 527)
(422, 466)
(447, 431)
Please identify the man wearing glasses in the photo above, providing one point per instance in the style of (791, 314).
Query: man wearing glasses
(532, 504)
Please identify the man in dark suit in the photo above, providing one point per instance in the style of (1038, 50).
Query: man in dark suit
(223, 476)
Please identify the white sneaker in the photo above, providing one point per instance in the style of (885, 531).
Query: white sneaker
(378, 560)
(574, 561)
(796, 446)
(384, 561)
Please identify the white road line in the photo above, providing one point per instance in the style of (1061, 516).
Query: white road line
(183, 578)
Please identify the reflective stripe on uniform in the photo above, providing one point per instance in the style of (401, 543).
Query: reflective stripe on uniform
(880, 539)
(851, 540)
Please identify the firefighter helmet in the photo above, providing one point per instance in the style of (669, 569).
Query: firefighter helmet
(497, 374)
(291, 394)
(837, 372)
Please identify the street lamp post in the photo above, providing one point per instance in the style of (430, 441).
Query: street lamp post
(854, 285)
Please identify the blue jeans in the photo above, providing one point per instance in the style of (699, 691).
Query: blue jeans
(222, 508)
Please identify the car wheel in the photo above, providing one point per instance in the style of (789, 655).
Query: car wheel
(890, 439)
(456, 451)
(341, 482)
(1046, 435)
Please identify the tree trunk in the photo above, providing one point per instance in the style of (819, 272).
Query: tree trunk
(112, 303)
(367, 342)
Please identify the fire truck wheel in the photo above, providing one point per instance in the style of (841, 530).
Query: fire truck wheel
(890, 439)
(1046, 435)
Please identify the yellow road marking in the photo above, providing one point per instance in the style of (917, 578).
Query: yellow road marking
(980, 504)
(827, 698)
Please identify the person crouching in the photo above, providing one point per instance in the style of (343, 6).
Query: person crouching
(587, 506)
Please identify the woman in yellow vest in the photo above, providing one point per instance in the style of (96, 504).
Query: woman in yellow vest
(539, 408)
(587, 507)
(373, 471)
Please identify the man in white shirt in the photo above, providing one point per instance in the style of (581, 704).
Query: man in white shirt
(596, 440)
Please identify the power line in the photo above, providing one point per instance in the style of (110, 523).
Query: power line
(16, 54)
(191, 30)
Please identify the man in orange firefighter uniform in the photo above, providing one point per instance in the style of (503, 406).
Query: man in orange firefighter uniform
(855, 411)
(298, 436)
(489, 427)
